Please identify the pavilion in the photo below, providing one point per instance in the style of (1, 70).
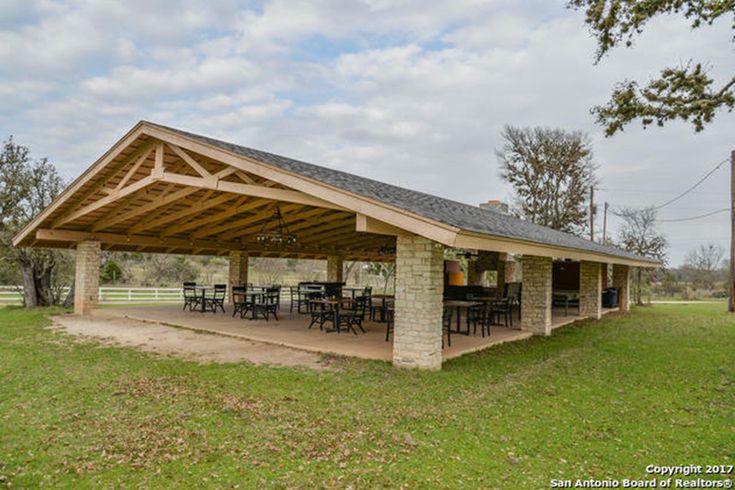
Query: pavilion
(160, 189)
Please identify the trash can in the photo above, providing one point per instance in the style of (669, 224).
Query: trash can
(610, 298)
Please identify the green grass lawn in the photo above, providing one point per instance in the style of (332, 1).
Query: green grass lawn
(597, 400)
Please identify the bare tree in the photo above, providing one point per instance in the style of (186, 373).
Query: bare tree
(26, 188)
(551, 171)
(705, 262)
(640, 236)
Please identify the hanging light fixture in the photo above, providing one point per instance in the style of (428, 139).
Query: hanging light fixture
(280, 236)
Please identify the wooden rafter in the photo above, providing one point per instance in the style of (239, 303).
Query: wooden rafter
(135, 167)
(191, 162)
(206, 202)
(241, 223)
(324, 216)
(242, 206)
(284, 195)
(157, 202)
(176, 243)
(105, 201)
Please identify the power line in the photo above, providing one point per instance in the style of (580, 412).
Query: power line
(690, 189)
(687, 191)
(674, 220)
(692, 218)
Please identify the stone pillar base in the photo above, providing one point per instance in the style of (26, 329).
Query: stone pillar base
(621, 281)
(87, 277)
(536, 295)
(238, 271)
(417, 338)
(590, 289)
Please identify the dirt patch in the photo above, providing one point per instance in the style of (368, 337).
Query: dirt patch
(202, 347)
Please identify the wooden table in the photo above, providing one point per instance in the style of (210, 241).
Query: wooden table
(458, 305)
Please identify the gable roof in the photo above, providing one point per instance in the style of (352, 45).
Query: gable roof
(452, 223)
(460, 215)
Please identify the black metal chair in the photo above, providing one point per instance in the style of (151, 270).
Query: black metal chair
(390, 316)
(240, 301)
(477, 315)
(217, 300)
(294, 292)
(354, 317)
(447, 326)
(267, 305)
(191, 298)
(502, 309)
(305, 295)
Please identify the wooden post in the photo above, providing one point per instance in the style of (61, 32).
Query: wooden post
(604, 224)
(731, 299)
(592, 213)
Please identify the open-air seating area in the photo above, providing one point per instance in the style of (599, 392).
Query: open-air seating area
(335, 308)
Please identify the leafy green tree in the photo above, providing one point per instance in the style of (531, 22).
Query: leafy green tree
(551, 171)
(111, 273)
(26, 187)
(686, 92)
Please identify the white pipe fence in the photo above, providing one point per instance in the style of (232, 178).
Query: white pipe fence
(13, 295)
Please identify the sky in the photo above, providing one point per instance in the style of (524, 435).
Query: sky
(411, 92)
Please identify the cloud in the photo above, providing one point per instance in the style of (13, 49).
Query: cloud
(413, 93)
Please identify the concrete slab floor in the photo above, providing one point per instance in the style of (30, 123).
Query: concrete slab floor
(291, 330)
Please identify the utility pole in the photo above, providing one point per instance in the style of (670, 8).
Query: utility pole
(604, 224)
(592, 213)
(731, 299)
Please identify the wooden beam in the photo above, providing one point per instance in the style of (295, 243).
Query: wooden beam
(105, 201)
(323, 218)
(242, 206)
(367, 224)
(509, 245)
(432, 229)
(158, 164)
(191, 162)
(265, 214)
(283, 195)
(65, 236)
(245, 177)
(134, 168)
(157, 202)
(201, 205)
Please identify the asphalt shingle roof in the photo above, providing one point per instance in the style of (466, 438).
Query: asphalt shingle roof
(463, 216)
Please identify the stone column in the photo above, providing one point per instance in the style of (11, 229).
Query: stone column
(238, 271)
(536, 295)
(417, 337)
(500, 268)
(87, 277)
(621, 281)
(590, 289)
(335, 268)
